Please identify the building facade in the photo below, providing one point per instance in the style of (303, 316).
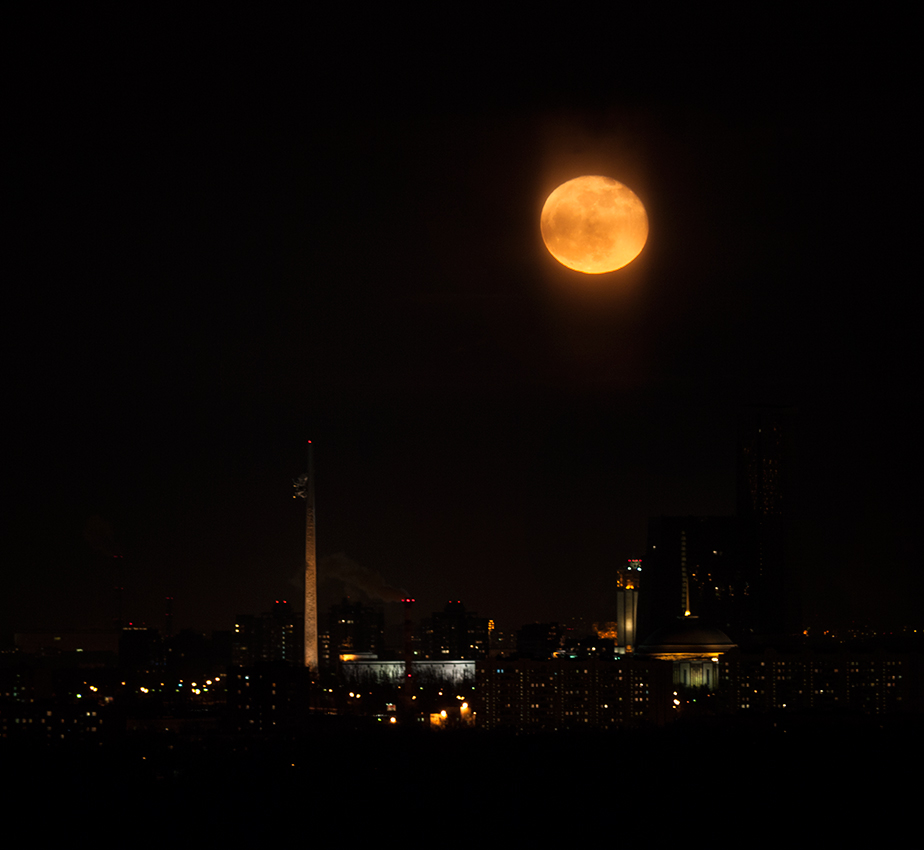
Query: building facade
(550, 696)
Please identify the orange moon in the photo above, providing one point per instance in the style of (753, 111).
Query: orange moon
(594, 224)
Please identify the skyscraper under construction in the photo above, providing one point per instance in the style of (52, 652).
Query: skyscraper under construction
(732, 571)
(765, 512)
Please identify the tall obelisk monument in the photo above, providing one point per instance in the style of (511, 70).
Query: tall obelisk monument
(304, 489)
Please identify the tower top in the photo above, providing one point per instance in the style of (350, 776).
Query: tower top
(628, 577)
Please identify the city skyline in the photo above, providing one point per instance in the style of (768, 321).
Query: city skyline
(223, 258)
(233, 234)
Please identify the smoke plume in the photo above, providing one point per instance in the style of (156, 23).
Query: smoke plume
(341, 568)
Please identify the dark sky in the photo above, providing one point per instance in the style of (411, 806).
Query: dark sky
(231, 237)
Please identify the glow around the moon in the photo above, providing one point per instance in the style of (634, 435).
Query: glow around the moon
(594, 224)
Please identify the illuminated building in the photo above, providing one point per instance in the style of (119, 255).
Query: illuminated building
(694, 563)
(500, 642)
(692, 649)
(628, 580)
(733, 569)
(454, 634)
(270, 698)
(589, 646)
(47, 721)
(394, 672)
(871, 683)
(103, 641)
(454, 717)
(354, 628)
(548, 696)
(450, 642)
(272, 636)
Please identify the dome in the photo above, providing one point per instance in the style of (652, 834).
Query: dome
(686, 636)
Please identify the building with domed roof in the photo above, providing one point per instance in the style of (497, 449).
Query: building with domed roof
(693, 648)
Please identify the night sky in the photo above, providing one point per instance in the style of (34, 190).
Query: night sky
(228, 239)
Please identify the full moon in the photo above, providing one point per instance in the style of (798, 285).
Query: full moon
(594, 224)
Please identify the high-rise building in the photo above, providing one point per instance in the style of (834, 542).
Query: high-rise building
(764, 449)
(765, 514)
(628, 581)
(275, 635)
(732, 572)
(454, 634)
(693, 565)
(355, 629)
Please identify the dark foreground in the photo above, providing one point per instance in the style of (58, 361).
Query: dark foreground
(464, 787)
